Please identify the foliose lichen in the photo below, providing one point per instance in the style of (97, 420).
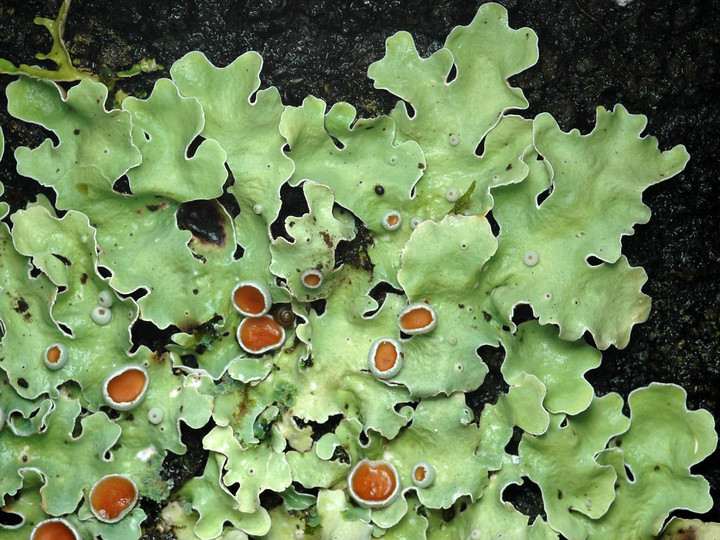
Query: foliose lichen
(463, 236)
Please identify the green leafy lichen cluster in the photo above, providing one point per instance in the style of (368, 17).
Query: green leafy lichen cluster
(478, 236)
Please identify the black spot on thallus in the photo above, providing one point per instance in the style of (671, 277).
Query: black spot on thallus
(21, 306)
(155, 207)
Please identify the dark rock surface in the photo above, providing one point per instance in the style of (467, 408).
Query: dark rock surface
(659, 59)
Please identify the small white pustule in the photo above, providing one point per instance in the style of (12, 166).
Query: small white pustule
(531, 258)
(155, 415)
(452, 194)
(101, 315)
(105, 299)
(415, 221)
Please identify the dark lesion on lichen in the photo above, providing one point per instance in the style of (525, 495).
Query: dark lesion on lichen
(21, 307)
